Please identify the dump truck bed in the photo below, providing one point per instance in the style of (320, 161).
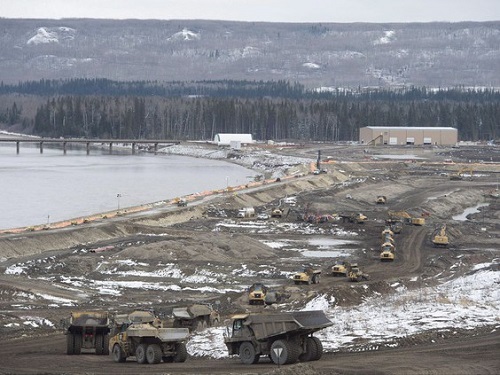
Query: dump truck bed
(164, 334)
(88, 318)
(191, 311)
(303, 322)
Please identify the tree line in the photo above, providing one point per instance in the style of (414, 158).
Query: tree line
(286, 112)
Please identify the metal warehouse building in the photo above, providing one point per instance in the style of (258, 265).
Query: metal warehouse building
(395, 135)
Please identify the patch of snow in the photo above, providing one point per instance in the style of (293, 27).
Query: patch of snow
(388, 37)
(311, 65)
(185, 35)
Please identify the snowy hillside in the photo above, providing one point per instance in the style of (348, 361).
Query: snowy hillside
(317, 55)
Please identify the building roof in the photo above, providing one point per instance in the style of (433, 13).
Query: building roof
(226, 138)
(410, 128)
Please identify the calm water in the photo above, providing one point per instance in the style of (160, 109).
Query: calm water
(44, 188)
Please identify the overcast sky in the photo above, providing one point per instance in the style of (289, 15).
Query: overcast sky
(259, 10)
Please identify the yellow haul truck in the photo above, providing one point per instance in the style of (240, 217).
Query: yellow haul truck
(142, 336)
(307, 275)
(284, 337)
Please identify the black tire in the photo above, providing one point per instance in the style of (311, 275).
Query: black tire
(153, 354)
(140, 354)
(70, 344)
(289, 352)
(77, 347)
(118, 354)
(247, 353)
(319, 349)
(105, 349)
(99, 343)
(311, 351)
(168, 359)
(181, 353)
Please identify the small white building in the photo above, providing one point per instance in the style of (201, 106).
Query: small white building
(228, 139)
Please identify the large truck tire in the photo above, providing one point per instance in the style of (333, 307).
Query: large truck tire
(181, 353)
(247, 353)
(140, 353)
(70, 343)
(77, 348)
(289, 352)
(118, 354)
(311, 350)
(105, 349)
(319, 349)
(153, 354)
(99, 342)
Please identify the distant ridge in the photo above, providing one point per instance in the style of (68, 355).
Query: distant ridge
(318, 55)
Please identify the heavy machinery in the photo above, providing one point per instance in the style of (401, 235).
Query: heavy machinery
(406, 217)
(387, 231)
(284, 337)
(195, 317)
(461, 173)
(387, 252)
(307, 275)
(257, 294)
(246, 213)
(87, 330)
(182, 202)
(141, 334)
(355, 274)
(358, 218)
(277, 212)
(381, 199)
(396, 225)
(341, 268)
(441, 239)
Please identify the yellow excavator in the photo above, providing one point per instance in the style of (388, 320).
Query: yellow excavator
(461, 173)
(441, 239)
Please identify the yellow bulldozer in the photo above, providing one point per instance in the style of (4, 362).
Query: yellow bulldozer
(341, 268)
(441, 239)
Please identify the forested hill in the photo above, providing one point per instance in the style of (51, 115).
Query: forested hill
(268, 110)
(316, 55)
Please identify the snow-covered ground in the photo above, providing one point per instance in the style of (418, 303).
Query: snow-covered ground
(463, 303)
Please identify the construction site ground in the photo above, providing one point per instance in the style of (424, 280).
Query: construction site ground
(202, 253)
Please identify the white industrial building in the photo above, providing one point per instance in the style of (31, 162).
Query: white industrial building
(233, 140)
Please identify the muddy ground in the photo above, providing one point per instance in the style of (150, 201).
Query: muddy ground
(202, 253)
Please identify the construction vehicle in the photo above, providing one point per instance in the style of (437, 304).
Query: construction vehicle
(87, 330)
(441, 239)
(341, 269)
(358, 218)
(387, 252)
(381, 199)
(461, 173)
(307, 275)
(195, 317)
(387, 231)
(284, 337)
(419, 221)
(182, 202)
(355, 274)
(141, 334)
(277, 212)
(257, 294)
(246, 213)
(406, 217)
(395, 225)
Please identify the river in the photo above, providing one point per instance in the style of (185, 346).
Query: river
(45, 188)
